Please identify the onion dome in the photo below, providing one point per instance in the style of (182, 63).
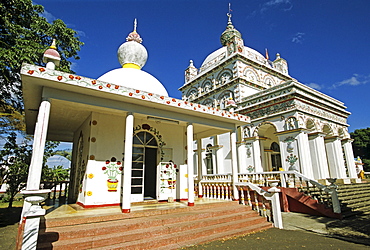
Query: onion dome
(229, 33)
(51, 56)
(132, 54)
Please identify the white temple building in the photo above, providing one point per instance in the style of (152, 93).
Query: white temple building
(293, 127)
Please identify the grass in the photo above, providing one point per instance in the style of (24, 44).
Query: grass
(9, 218)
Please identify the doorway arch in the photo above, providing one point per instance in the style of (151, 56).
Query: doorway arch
(144, 166)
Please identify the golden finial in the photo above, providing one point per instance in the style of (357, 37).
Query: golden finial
(53, 45)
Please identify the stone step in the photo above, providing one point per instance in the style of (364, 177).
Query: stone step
(200, 235)
(76, 220)
(189, 225)
(129, 225)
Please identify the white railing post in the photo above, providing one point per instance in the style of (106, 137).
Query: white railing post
(275, 203)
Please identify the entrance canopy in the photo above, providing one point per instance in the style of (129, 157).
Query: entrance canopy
(73, 98)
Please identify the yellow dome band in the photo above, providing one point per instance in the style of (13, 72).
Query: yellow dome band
(131, 65)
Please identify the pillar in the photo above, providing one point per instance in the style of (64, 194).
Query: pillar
(219, 156)
(335, 157)
(256, 152)
(200, 168)
(304, 155)
(32, 211)
(189, 142)
(127, 165)
(41, 128)
(234, 164)
(350, 158)
(319, 160)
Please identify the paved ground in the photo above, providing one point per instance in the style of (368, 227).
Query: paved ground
(303, 231)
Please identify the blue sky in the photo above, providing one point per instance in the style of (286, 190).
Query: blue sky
(326, 43)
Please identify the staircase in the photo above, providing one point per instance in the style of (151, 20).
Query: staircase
(354, 199)
(151, 229)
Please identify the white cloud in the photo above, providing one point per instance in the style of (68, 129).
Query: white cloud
(314, 85)
(355, 80)
(298, 37)
(49, 17)
(285, 4)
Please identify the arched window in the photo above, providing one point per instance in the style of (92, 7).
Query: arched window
(275, 157)
(209, 159)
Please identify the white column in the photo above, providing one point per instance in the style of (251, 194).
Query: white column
(335, 157)
(234, 164)
(319, 160)
(189, 142)
(350, 158)
(304, 155)
(200, 169)
(256, 152)
(32, 211)
(219, 156)
(39, 140)
(127, 165)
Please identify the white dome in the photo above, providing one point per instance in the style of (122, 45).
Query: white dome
(248, 52)
(136, 79)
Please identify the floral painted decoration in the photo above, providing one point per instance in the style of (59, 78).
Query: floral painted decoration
(112, 168)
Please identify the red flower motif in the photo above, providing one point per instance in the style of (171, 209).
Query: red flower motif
(30, 72)
(167, 165)
(107, 161)
(178, 104)
(100, 87)
(120, 168)
(41, 69)
(71, 77)
(118, 163)
(78, 77)
(130, 94)
(175, 166)
(103, 168)
(93, 82)
(168, 102)
(186, 102)
(150, 94)
(191, 104)
(108, 85)
(162, 97)
(137, 91)
(143, 97)
(173, 99)
(116, 87)
(198, 105)
(60, 78)
(222, 114)
(165, 171)
(204, 109)
(195, 108)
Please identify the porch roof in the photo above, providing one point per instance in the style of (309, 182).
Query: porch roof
(74, 97)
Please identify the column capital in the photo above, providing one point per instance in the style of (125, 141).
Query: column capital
(316, 134)
(347, 140)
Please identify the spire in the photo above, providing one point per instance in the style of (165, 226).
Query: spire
(134, 36)
(132, 54)
(230, 31)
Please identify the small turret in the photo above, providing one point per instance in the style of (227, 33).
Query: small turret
(280, 64)
(51, 56)
(190, 72)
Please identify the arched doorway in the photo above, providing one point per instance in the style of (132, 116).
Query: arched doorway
(144, 166)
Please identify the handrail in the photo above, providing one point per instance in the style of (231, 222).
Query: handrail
(284, 178)
(271, 195)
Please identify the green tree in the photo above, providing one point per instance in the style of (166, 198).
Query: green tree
(361, 146)
(15, 159)
(24, 36)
